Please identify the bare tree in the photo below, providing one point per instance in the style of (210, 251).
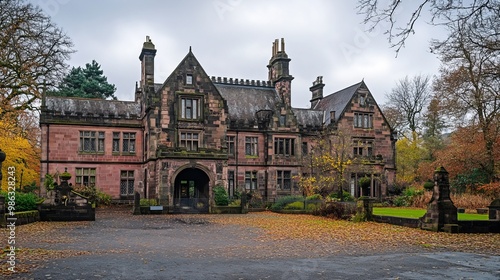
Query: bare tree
(469, 84)
(33, 52)
(410, 98)
(480, 16)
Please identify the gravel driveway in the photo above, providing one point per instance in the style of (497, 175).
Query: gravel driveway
(119, 245)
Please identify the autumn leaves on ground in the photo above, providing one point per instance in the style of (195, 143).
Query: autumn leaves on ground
(257, 235)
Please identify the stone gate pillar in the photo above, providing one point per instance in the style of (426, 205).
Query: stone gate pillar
(441, 214)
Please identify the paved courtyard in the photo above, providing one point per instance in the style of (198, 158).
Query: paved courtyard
(265, 245)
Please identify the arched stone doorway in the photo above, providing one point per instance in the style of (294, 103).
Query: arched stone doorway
(191, 191)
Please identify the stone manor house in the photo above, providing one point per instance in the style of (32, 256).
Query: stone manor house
(180, 138)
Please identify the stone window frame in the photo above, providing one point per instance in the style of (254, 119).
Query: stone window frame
(363, 120)
(94, 139)
(183, 142)
(305, 148)
(284, 146)
(196, 111)
(231, 183)
(127, 181)
(85, 174)
(115, 147)
(189, 79)
(129, 142)
(363, 147)
(251, 145)
(231, 145)
(284, 180)
(282, 120)
(362, 98)
(251, 180)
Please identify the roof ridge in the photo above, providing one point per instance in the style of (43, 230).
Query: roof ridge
(89, 98)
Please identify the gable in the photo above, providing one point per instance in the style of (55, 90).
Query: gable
(337, 102)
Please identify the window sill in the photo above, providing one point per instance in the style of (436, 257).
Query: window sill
(191, 120)
(251, 156)
(91, 153)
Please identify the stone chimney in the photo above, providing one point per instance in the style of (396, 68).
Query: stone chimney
(317, 91)
(279, 75)
(147, 57)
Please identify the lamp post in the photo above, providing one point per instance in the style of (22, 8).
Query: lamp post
(2, 158)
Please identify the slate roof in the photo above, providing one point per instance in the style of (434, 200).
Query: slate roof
(308, 117)
(92, 107)
(244, 101)
(337, 101)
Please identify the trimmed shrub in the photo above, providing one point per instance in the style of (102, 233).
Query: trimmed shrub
(346, 196)
(336, 210)
(314, 197)
(429, 185)
(104, 198)
(297, 205)
(407, 197)
(220, 196)
(283, 201)
(147, 202)
(25, 201)
(235, 202)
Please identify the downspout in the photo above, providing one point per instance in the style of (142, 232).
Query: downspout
(47, 150)
(236, 157)
(266, 160)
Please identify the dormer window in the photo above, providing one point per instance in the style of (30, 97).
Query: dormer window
(189, 79)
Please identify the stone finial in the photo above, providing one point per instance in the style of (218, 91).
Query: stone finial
(148, 44)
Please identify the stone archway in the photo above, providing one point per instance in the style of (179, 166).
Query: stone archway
(191, 191)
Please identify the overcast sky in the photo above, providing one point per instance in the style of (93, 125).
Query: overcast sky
(233, 38)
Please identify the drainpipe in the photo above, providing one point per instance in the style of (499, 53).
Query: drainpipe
(47, 152)
(266, 161)
(236, 157)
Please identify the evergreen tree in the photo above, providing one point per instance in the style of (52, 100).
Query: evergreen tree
(88, 82)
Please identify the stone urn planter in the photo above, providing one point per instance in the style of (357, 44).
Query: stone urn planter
(65, 176)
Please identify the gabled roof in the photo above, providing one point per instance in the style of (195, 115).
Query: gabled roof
(244, 101)
(189, 59)
(308, 117)
(337, 101)
(92, 107)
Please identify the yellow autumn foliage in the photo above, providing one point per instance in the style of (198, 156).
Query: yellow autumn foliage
(409, 155)
(20, 154)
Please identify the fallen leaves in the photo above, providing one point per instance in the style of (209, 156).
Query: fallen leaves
(262, 235)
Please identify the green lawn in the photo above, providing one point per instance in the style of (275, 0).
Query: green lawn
(417, 213)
